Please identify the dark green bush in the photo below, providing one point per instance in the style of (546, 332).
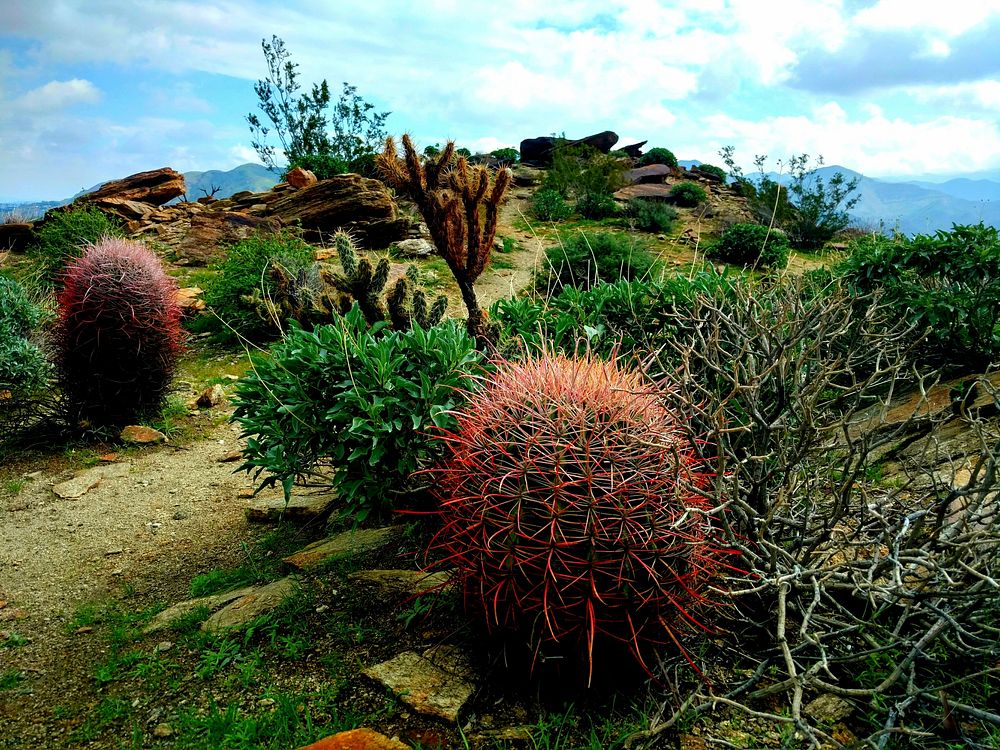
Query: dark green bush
(580, 170)
(751, 246)
(359, 398)
(597, 206)
(324, 166)
(688, 194)
(549, 205)
(63, 235)
(244, 277)
(713, 170)
(507, 155)
(583, 260)
(651, 216)
(658, 156)
(947, 284)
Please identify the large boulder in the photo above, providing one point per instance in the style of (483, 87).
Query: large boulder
(358, 204)
(603, 141)
(16, 237)
(539, 150)
(651, 173)
(155, 187)
(208, 235)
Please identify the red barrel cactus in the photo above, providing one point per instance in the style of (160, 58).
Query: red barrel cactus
(571, 510)
(118, 334)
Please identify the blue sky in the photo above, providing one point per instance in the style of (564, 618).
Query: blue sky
(96, 89)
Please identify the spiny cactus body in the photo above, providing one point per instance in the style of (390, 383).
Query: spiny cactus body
(570, 508)
(461, 206)
(118, 334)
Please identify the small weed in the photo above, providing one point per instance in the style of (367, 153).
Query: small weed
(498, 262)
(14, 486)
(14, 640)
(420, 607)
(11, 679)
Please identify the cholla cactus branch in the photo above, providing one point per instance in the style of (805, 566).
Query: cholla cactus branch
(461, 208)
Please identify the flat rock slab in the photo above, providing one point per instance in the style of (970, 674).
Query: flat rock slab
(429, 687)
(650, 190)
(251, 605)
(140, 435)
(357, 739)
(403, 582)
(169, 616)
(79, 485)
(343, 545)
(299, 508)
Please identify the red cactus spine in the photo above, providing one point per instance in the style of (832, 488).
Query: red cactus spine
(570, 508)
(119, 334)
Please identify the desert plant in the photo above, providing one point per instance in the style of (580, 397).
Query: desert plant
(597, 206)
(658, 155)
(23, 368)
(63, 235)
(245, 278)
(461, 205)
(507, 155)
(752, 246)
(713, 170)
(688, 194)
(549, 205)
(355, 396)
(567, 512)
(301, 122)
(947, 284)
(118, 334)
(651, 216)
(581, 170)
(582, 260)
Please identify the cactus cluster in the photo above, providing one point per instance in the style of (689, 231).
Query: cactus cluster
(571, 509)
(118, 334)
(460, 204)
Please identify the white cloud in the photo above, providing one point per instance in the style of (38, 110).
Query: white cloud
(908, 15)
(961, 97)
(57, 95)
(876, 144)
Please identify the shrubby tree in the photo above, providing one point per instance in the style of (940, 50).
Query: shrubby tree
(810, 209)
(315, 133)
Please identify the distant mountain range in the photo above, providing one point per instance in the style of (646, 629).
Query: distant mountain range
(913, 207)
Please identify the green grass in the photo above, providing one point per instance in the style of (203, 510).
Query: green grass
(11, 679)
(14, 640)
(262, 562)
(14, 486)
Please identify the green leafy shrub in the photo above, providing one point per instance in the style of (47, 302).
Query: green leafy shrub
(751, 246)
(507, 155)
(597, 206)
(713, 170)
(582, 260)
(651, 216)
(570, 509)
(627, 318)
(118, 335)
(549, 205)
(323, 165)
(658, 155)
(244, 277)
(947, 284)
(359, 397)
(23, 367)
(580, 170)
(64, 234)
(688, 194)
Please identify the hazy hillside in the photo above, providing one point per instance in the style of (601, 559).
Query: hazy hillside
(966, 189)
(254, 177)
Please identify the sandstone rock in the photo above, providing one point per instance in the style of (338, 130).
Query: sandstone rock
(603, 141)
(525, 176)
(357, 739)
(140, 435)
(828, 708)
(125, 209)
(203, 238)
(403, 582)
(652, 173)
(189, 299)
(300, 508)
(349, 201)
(429, 688)
(79, 485)
(155, 187)
(415, 248)
(344, 545)
(169, 616)
(301, 178)
(538, 150)
(633, 150)
(251, 605)
(211, 396)
(16, 237)
(163, 731)
(651, 191)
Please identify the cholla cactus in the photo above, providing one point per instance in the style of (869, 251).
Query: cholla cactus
(461, 206)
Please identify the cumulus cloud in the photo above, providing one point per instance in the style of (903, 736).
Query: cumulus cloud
(57, 95)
